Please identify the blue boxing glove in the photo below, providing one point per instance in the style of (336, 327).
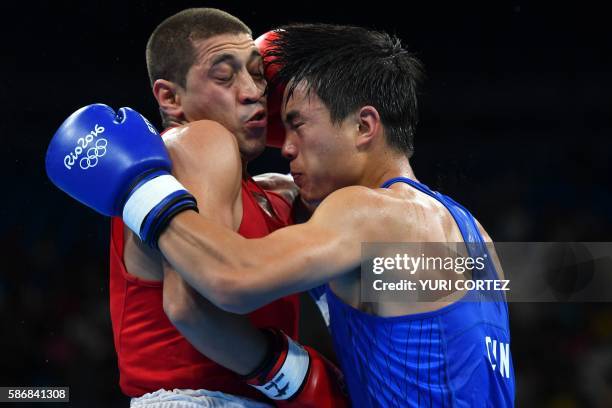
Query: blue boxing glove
(117, 164)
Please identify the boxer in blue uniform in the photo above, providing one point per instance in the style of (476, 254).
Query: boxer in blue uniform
(350, 113)
(439, 358)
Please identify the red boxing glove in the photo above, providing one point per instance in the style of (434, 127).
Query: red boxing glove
(296, 376)
(276, 130)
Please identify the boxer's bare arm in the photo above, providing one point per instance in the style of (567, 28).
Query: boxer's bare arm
(228, 339)
(240, 275)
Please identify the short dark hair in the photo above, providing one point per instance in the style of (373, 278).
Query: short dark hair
(349, 67)
(170, 49)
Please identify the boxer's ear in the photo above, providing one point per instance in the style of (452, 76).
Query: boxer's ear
(369, 126)
(168, 98)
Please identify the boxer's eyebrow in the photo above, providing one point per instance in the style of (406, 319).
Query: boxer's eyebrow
(224, 58)
(292, 116)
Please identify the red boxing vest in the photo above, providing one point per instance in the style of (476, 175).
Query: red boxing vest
(151, 353)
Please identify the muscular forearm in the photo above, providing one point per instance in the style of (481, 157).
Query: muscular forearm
(228, 339)
(239, 274)
(208, 256)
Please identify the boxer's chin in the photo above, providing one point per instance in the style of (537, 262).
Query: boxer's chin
(311, 205)
(312, 192)
(310, 196)
(253, 142)
(256, 133)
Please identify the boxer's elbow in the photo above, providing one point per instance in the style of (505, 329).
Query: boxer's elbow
(178, 308)
(229, 290)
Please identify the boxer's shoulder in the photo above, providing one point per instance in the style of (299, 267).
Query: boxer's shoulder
(352, 198)
(384, 214)
(357, 211)
(368, 201)
(204, 152)
(202, 136)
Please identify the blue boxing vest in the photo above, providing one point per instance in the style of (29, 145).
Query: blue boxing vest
(457, 356)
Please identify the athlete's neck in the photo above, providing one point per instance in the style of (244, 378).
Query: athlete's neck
(382, 170)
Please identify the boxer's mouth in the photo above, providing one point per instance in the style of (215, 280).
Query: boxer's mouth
(259, 119)
(298, 178)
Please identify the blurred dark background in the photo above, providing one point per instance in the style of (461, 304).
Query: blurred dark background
(516, 122)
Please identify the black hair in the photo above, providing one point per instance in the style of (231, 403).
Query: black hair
(350, 67)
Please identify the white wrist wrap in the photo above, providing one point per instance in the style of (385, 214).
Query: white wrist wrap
(143, 200)
(291, 375)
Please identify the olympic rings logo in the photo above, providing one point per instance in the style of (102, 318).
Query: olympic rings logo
(93, 153)
(82, 143)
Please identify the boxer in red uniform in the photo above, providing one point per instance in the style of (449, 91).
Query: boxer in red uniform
(203, 64)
